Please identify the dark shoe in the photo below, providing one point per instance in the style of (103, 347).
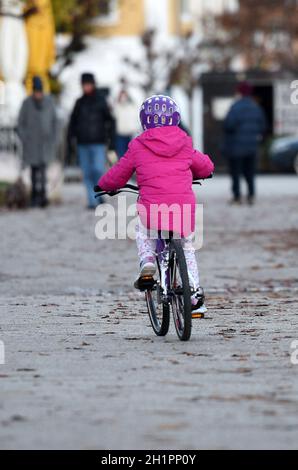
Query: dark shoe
(236, 201)
(251, 200)
(33, 204)
(44, 203)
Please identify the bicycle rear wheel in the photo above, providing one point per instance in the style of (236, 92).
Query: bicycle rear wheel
(180, 291)
(159, 311)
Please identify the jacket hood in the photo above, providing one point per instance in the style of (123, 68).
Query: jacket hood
(164, 141)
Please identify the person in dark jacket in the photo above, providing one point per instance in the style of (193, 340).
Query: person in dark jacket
(244, 128)
(92, 126)
(38, 131)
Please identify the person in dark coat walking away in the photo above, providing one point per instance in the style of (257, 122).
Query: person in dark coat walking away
(38, 131)
(92, 126)
(244, 128)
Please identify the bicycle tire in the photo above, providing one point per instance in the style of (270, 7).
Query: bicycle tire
(177, 259)
(160, 327)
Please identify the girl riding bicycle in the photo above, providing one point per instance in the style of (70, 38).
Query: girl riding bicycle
(166, 164)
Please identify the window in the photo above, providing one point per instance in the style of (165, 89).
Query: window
(109, 12)
(185, 10)
(2, 93)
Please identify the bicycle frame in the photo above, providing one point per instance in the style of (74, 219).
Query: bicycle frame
(163, 258)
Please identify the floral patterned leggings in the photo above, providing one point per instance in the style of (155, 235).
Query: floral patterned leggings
(147, 246)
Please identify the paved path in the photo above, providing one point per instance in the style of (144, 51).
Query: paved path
(83, 368)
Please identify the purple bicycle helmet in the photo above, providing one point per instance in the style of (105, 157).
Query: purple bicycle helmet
(159, 111)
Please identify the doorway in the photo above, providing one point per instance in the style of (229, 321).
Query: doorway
(264, 97)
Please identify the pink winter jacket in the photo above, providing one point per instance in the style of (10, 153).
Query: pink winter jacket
(165, 163)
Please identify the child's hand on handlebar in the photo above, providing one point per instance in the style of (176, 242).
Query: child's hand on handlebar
(98, 189)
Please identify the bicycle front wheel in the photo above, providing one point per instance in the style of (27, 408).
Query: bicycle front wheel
(180, 291)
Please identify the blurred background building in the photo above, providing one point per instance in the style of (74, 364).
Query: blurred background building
(197, 50)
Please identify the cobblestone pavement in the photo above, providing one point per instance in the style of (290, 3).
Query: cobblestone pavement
(83, 369)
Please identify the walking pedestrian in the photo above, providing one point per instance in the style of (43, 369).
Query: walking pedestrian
(91, 125)
(37, 128)
(244, 128)
(127, 124)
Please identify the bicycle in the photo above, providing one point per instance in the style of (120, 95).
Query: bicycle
(171, 289)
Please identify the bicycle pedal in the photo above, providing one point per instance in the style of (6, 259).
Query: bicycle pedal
(146, 283)
(198, 315)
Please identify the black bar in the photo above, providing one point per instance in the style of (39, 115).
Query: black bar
(137, 459)
(131, 186)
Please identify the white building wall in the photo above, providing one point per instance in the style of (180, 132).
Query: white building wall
(197, 119)
(156, 15)
(104, 58)
(201, 7)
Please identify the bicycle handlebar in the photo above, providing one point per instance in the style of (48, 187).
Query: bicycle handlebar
(97, 189)
(133, 188)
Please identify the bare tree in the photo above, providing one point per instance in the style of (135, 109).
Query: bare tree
(150, 74)
(263, 32)
(180, 62)
(75, 17)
